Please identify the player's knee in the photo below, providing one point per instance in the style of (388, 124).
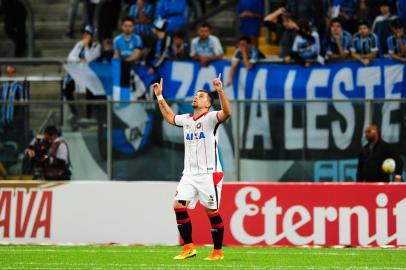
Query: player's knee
(179, 204)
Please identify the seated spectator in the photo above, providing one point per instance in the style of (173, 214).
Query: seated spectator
(174, 12)
(127, 46)
(306, 46)
(382, 25)
(338, 41)
(283, 23)
(314, 11)
(85, 51)
(247, 53)
(160, 49)
(107, 51)
(251, 13)
(179, 49)
(206, 47)
(365, 45)
(397, 42)
(143, 12)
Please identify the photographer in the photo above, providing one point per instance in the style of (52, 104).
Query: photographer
(50, 155)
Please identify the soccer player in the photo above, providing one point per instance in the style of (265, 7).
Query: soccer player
(202, 175)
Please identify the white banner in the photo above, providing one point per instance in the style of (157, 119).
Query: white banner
(88, 212)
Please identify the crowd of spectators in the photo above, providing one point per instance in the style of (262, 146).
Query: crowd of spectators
(308, 32)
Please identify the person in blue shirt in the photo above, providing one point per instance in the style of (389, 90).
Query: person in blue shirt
(306, 46)
(127, 46)
(174, 12)
(247, 53)
(397, 42)
(338, 42)
(365, 44)
(251, 13)
(143, 12)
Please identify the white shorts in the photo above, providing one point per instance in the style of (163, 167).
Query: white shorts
(205, 188)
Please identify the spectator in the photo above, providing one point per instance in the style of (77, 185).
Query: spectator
(14, 24)
(397, 42)
(127, 46)
(174, 12)
(247, 53)
(283, 23)
(109, 13)
(160, 50)
(72, 13)
(11, 91)
(348, 14)
(251, 13)
(382, 25)
(338, 41)
(56, 162)
(306, 46)
(365, 45)
(315, 11)
(107, 51)
(206, 47)
(143, 12)
(401, 6)
(91, 6)
(85, 51)
(180, 47)
(372, 156)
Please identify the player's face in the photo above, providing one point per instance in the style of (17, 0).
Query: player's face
(127, 27)
(201, 100)
(336, 29)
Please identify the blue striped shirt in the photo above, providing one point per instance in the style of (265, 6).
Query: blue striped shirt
(148, 9)
(332, 47)
(394, 45)
(365, 45)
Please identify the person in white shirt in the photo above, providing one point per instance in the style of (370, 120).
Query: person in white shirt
(85, 51)
(202, 175)
(206, 47)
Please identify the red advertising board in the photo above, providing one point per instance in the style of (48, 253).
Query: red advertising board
(322, 214)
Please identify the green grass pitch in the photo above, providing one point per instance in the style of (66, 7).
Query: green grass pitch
(158, 257)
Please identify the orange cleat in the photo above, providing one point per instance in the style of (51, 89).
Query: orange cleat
(217, 254)
(188, 251)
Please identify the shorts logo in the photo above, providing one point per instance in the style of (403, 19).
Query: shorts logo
(211, 200)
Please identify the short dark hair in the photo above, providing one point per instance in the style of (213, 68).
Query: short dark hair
(245, 38)
(209, 94)
(304, 24)
(397, 23)
(127, 18)
(178, 34)
(363, 22)
(51, 130)
(205, 24)
(336, 20)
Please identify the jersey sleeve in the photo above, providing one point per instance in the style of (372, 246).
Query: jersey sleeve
(213, 118)
(180, 119)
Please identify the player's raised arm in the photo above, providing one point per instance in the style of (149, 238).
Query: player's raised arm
(225, 104)
(166, 110)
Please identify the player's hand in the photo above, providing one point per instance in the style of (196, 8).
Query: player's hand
(218, 85)
(157, 87)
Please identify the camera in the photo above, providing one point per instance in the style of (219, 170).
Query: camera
(38, 161)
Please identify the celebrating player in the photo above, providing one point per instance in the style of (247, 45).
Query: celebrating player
(202, 175)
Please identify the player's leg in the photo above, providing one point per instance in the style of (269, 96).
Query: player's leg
(209, 192)
(185, 194)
